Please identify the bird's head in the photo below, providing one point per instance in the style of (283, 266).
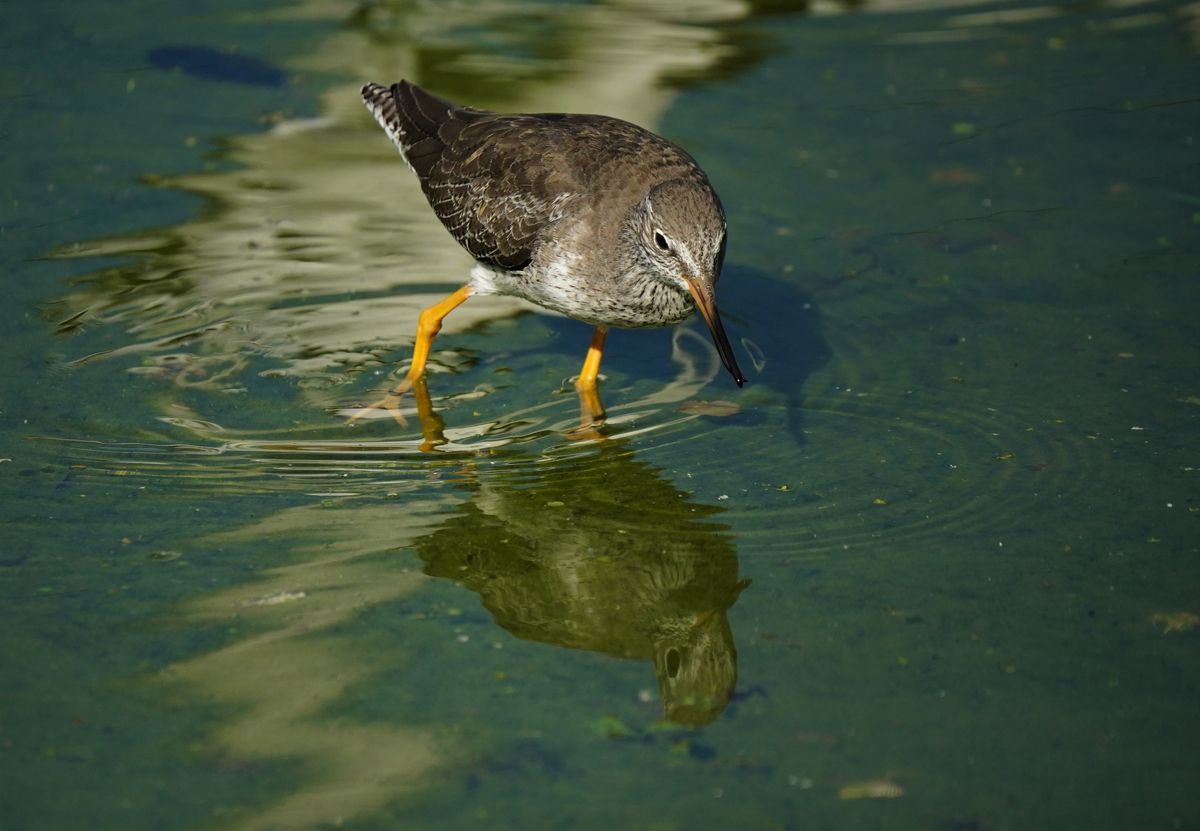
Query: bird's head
(682, 236)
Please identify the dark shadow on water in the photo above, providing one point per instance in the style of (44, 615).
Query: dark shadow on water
(216, 65)
(605, 556)
(778, 330)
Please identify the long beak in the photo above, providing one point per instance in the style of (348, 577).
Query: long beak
(708, 309)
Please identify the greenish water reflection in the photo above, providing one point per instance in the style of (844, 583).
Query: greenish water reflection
(283, 666)
(608, 557)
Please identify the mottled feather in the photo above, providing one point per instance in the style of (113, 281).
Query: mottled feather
(498, 182)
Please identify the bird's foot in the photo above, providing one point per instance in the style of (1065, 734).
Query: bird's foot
(389, 405)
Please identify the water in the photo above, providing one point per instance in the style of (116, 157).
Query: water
(934, 567)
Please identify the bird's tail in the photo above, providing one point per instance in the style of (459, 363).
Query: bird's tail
(419, 123)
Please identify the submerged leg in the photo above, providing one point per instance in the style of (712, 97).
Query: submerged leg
(428, 325)
(432, 426)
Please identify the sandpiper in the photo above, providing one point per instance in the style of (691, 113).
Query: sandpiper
(586, 215)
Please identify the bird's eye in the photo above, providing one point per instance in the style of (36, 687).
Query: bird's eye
(660, 240)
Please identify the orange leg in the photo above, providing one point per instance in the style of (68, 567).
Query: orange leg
(591, 410)
(591, 364)
(428, 325)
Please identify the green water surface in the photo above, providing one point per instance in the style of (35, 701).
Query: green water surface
(935, 567)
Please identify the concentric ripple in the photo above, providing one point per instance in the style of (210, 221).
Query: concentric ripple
(332, 456)
(882, 466)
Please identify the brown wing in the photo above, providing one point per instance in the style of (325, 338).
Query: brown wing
(497, 187)
(495, 181)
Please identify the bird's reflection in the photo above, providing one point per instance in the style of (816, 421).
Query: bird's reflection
(603, 554)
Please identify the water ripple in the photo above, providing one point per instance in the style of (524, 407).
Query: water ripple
(934, 465)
